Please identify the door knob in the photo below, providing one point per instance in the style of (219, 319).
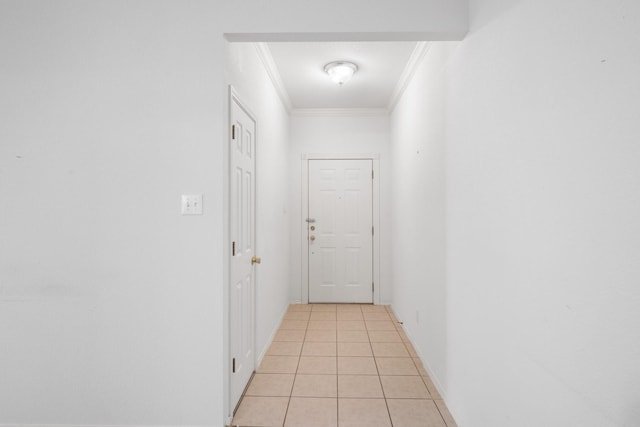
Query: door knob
(256, 260)
(312, 238)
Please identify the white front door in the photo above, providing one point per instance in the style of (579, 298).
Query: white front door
(242, 235)
(340, 231)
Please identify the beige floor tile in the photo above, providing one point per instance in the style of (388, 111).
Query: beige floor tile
(389, 349)
(312, 412)
(323, 335)
(293, 324)
(284, 348)
(315, 386)
(380, 325)
(323, 315)
(404, 387)
(278, 365)
(299, 307)
(363, 412)
(322, 324)
(375, 315)
(321, 365)
(354, 349)
(297, 315)
(384, 336)
(352, 336)
(349, 307)
(396, 366)
(319, 349)
(323, 307)
(351, 325)
(433, 391)
(359, 386)
(444, 411)
(289, 335)
(414, 413)
(270, 385)
(357, 366)
(261, 411)
(350, 315)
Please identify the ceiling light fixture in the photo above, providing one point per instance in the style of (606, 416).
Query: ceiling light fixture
(340, 71)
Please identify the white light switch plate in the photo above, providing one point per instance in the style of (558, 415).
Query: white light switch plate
(192, 204)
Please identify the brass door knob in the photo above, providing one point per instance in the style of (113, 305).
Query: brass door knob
(256, 260)
(312, 238)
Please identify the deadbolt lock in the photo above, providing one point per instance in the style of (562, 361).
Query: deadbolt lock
(313, 227)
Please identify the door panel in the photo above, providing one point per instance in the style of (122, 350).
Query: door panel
(341, 245)
(242, 234)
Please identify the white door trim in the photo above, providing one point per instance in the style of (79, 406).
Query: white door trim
(233, 95)
(375, 158)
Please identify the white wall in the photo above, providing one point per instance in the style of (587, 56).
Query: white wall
(418, 210)
(111, 301)
(339, 133)
(541, 128)
(248, 76)
(112, 309)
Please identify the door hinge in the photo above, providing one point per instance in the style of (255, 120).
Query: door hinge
(234, 365)
(371, 173)
(372, 232)
(372, 287)
(233, 131)
(233, 248)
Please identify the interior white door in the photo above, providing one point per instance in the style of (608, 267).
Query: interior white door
(340, 231)
(242, 235)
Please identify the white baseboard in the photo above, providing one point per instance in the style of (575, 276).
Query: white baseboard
(270, 340)
(427, 367)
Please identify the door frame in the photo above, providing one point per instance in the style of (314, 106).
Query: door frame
(304, 247)
(234, 96)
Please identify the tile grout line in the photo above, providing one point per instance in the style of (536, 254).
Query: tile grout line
(375, 361)
(295, 374)
(337, 382)
(441, 414)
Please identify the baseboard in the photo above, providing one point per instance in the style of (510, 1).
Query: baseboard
(270, 340)
(427, 367)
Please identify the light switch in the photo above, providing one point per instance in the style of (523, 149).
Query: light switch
(192, 204)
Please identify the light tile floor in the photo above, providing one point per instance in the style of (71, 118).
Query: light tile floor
(344, 365)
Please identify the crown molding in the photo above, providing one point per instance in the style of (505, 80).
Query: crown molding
(409, 71)
(274, 75)
(339, 112)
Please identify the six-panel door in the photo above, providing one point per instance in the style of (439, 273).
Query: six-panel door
(340, 231)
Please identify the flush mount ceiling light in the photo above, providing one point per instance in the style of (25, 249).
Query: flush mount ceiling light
(340, 71)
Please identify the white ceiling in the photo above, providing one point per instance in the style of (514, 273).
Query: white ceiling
(301, 68)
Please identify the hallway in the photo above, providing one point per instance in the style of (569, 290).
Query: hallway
(341, 365)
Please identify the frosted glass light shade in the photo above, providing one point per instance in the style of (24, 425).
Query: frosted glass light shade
(340, 71)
